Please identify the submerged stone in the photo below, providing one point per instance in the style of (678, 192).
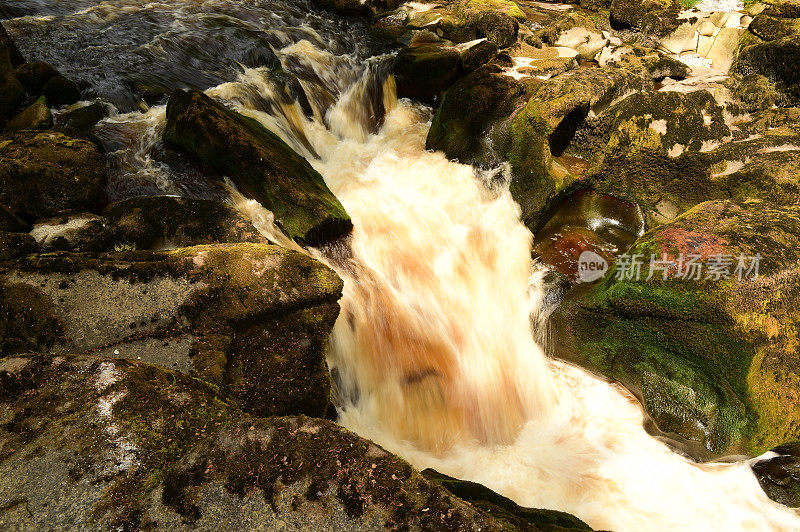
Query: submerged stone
(261, 165)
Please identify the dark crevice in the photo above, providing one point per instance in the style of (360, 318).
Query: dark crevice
(563, 135)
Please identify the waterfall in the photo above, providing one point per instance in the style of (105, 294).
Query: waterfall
(434, 353)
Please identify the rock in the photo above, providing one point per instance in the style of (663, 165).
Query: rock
(422, 72)
(756, 92)
(86, 117)
(166, 222)
(73, 232)
(713, 359)
(9, 49)
(670, 151)
(252, 319)
(654, 17)
(261, 165)
(35, 117)
(504, 509)
(723, 50)
(13, 245)
(45, 173)
(770, 28)
(11, 91)
(34, 76)
(11, 222)
(88, 442)
(61, 91)
(775, 60)
(467, 112)
(585, 42)
(779, 476)
(498, 28)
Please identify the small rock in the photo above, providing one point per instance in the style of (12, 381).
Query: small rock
(35, 117)
(34, 76)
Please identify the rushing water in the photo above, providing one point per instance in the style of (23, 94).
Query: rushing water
(433, 355)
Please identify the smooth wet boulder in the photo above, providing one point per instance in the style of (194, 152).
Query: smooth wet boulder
(61, 91)
(710, 350)
(253, 319)
(87, 442)
(779, 475)
(46, 173)
(85, 117)
(262, 166)
(36, 117)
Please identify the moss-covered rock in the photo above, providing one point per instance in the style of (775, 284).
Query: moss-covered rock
(34, 76)
(253, 319)
(103, 444)
(713, 358)
(261, 165)
(36, 117)
(14, 245)
(504, 509)
(655, 17)
(46, 173)
(670, 151)
(775, 59)
(163, 222)
(11, 222)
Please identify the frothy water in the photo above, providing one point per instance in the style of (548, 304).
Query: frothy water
(433, 355)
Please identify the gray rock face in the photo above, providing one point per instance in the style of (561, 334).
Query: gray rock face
(253, 319)
(102, 444)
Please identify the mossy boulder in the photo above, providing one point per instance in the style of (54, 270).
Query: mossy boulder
(163, 222)
(424, 71)
(11, 222)
(87, 442)
(34, 76)
(46, 173)
(776, 60)
(262, 166)
(252, 319)
(36, 117)
(713, 357)
(653, 17)
(670, 151)
(14, 245)
(504, 509)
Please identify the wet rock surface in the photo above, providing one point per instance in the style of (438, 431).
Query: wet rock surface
(109, 444)
(261, 165)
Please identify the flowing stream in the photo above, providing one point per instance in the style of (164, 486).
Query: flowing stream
(434, 354)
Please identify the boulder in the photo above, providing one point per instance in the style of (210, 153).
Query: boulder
(775, 59)
(163, 222)
(669, 151)
(372, 7)
(261, 165)
(86, 117)
(87, 442)
(34, 76)
(45, 173)
(9, 49)
(13, 245)
(35, 117)
(424, 71)
(711, 352)
(653, 17)
(11, 222)
(61, 91)
(252, 319)
(779, 475)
